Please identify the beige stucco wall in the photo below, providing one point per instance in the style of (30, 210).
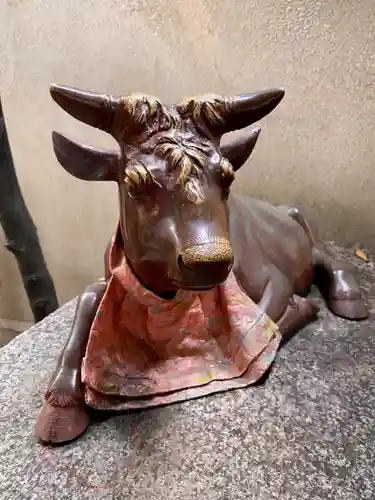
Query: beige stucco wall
(316, 149)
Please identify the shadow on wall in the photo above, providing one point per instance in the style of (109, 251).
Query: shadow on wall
(350, 220)
(22, 238)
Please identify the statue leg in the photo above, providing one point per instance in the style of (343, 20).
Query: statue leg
(299, 313)
(290, 312)
(336, 281)
(64, 415)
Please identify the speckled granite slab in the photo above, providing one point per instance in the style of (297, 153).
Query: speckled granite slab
(307, 434)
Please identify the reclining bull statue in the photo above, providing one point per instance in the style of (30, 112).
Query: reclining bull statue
(202, 286)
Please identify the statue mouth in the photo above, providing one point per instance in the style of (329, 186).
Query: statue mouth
(201, 288)
(197, 287)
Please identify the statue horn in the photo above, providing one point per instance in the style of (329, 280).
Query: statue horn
(218, 114)
(244, 110)
(97, 110)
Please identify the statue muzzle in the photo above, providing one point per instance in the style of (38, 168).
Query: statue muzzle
(211, 262)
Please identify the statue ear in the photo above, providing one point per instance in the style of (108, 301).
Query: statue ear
(84, 162)
(238, 150)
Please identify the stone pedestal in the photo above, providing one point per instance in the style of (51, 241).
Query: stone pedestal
(308, 433)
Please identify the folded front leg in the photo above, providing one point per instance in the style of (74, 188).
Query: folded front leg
(276, 295)
(299, 313)
(290, 312)
(64, 415)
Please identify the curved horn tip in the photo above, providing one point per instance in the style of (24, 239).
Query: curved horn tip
(60, 141)
(56, 90)
(280, 91)
(275, 93)
(57, 137)
(56, 87)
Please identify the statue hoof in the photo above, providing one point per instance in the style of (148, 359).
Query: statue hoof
(353, 309)
(345, 297)
(58, 425)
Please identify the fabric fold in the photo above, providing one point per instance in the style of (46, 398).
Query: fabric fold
(144, 351)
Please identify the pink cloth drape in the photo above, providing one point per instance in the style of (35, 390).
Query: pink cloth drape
(144, 351)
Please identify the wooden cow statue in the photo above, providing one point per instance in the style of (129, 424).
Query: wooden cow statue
(201, 285)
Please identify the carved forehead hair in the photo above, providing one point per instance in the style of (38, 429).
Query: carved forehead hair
(188, 154)
(145, 115)
(212, 108)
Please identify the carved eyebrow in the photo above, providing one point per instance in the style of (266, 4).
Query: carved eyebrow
(194, 191)
(137, 174)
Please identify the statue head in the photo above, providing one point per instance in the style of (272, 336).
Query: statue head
(173, 174)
